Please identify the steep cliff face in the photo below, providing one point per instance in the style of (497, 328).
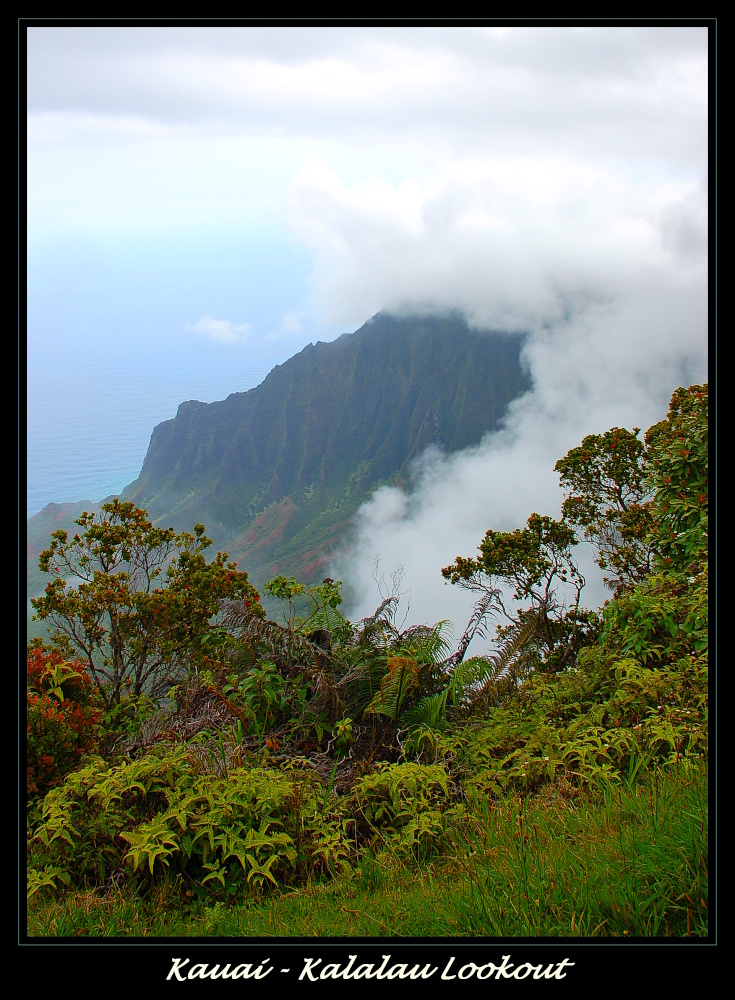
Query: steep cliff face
(308, 444)
(276, 473)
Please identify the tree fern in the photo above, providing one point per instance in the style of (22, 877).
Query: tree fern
(481, 676)
(430, 711)
(401, 678)
(427, 643)
(473, 680)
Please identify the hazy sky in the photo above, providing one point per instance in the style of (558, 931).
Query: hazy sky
(203, 202)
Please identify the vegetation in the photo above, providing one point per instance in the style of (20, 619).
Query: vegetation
(317, 775)
(134, 600)
(61, 713)
(607, 496)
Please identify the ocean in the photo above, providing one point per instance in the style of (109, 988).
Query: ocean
(113, 345)
(88, 432)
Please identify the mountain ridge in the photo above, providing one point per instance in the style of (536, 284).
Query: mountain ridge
(275, 473)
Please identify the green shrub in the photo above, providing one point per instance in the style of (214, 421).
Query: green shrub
(163, 816)
(405, 806)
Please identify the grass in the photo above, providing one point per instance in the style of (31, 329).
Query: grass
(633, 863)
(627, 862)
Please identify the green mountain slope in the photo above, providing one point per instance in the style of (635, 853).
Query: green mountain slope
(276, 473)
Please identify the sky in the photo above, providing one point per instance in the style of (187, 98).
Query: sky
(202, 202)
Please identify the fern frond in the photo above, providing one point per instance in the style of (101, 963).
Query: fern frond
(280, 640)
(362, 681)
(401, 677)
(508, 663)
(475, 626)
(325, 617)
(384, 613)
(430, 711)
(469, 674)
(428, 643)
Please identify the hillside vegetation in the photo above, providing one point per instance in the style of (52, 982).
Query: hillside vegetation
(195, 768)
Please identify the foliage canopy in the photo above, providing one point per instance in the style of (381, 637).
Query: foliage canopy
(607, 496)
(134, 600)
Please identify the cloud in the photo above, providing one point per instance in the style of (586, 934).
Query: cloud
(221, 330)
(588, 91)
(291, 325)
(192, 126)
(515, 242)
(608, 276)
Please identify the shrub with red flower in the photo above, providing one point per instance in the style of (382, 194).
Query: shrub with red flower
(61, 712)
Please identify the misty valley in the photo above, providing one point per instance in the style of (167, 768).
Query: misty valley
(215, 749)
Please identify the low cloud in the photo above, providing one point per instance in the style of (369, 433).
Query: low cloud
(607, 277)
(516, 243)
(291, 325)
(220, 330)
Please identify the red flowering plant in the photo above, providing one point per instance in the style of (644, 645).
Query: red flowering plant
(61, 713)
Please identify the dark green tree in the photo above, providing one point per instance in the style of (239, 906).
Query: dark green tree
(135, 601)
(534, 561)
(678, 474)
(643, 505)
(608, 497)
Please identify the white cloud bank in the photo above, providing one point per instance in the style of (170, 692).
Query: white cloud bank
(607, 274)
(516, 242)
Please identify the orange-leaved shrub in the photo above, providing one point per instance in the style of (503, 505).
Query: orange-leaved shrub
(61, 713)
